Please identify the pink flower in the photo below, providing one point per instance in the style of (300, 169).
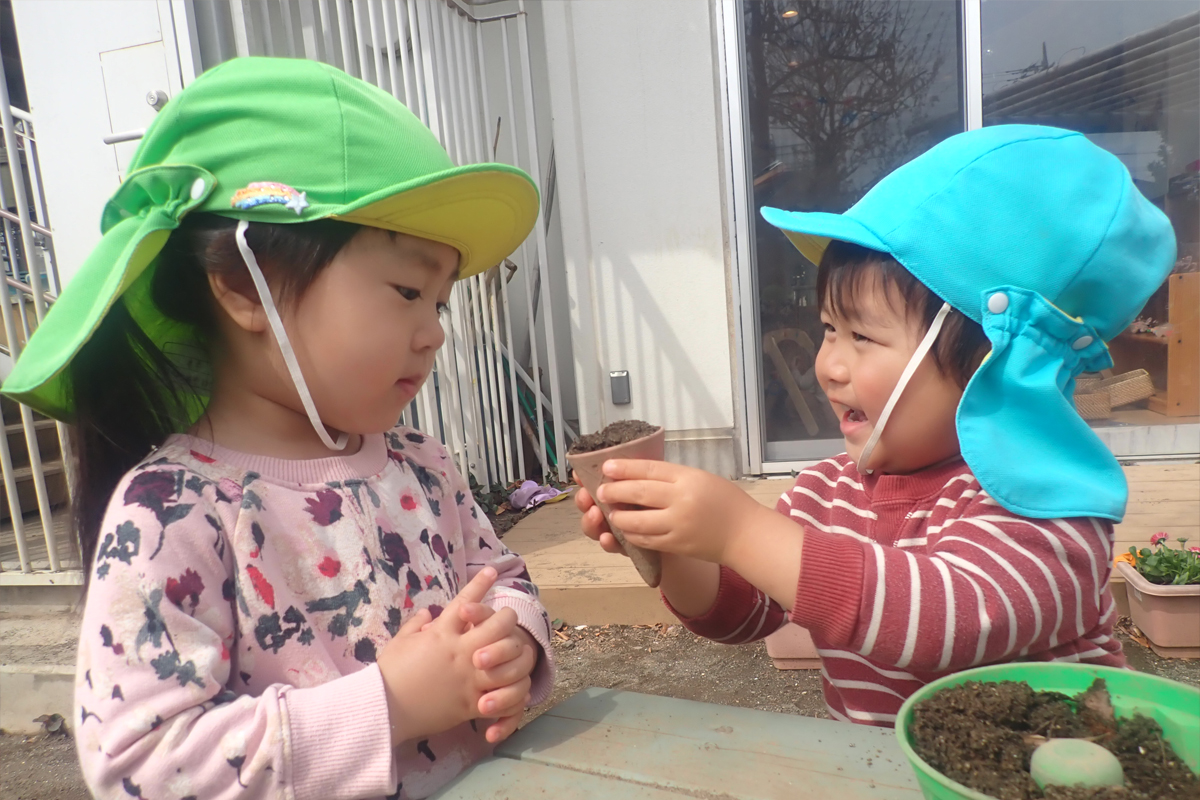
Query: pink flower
(1194, 549)
(1158, 538)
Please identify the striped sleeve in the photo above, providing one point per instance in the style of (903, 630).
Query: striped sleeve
(741, 613)
(988, 586)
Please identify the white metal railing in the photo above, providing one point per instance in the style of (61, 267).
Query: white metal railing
(431, 55)
(30, 283)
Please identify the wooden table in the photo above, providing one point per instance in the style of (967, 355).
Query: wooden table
(610, 744)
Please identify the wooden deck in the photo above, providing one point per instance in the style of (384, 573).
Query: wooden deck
(583, 585)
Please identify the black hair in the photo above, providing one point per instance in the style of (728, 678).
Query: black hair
(961, 345)
(127, 394)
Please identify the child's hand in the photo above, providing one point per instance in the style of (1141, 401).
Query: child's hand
(593, 523)
(429, 676)
(505, 665)
(684, 510)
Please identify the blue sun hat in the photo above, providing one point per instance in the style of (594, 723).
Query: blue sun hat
(1042, 238)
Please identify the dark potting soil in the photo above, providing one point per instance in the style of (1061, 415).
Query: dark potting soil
(983, 735)
(619, 432)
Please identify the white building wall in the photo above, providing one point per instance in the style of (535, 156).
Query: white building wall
(634, 98)
(88, 66)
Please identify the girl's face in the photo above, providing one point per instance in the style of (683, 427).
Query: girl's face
(858, 366)
(367, 329)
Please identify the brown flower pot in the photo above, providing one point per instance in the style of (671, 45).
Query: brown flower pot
(791, 647)
(587, 469)
(1168, 615)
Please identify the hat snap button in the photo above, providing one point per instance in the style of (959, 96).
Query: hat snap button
(198, 187)
(1082, 342)
(998, 303)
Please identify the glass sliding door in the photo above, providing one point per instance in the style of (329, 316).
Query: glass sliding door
(1126, 73)
(837, 94)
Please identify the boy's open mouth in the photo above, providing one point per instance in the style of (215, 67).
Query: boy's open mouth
(854, 415)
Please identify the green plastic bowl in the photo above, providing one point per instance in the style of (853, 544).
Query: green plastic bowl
(1175, 706)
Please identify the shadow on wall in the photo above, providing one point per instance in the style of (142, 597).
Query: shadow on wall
(670, 387)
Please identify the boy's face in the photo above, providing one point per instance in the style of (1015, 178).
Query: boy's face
(858, 366)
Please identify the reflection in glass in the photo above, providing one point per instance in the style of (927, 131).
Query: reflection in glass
(839, 93)
(1127, 74)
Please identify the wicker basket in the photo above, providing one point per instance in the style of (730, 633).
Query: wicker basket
(1094, 405)
(1126, 388)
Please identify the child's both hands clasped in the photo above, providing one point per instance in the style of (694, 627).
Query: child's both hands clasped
(472, 662)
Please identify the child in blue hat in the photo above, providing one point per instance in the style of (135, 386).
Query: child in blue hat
(970, 520)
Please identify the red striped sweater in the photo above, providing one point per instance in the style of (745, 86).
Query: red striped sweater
(905, 578)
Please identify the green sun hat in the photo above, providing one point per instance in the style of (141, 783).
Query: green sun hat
(269, 140)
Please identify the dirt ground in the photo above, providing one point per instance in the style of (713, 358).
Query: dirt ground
(667, 661)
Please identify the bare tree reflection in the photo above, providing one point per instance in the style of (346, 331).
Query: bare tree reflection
(850, 80)
(840, 92)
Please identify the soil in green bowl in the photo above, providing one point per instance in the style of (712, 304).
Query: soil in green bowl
(983, 735)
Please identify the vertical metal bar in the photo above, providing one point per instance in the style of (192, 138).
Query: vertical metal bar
(464, 379)
(17, 172)
(431, 100)
(268, 35)
(500, 393)
(445, 86)
(10, 483)
(433, 403)
(458, 99)
(389, 35)
(308, 30)
(498, 388)
(514, 395)
(973, 68)
(543, 258)
(376, 56)
(24, 315)
(471, 151)
(455, 404)
(530, 321)
(488, 410)
(39, 305)
(498, 408)
(327, 33)
(243, 27)
(741, 221)
(512, 374)
(419, 73)
(450, 407)
(289, 30)
(406, 68)
(344, 25)
(39, 196)
(359, 39)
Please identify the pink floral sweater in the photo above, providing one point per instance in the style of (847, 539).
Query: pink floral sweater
(236, 609)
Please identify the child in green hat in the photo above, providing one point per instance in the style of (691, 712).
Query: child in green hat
(287, 594)
(970, 520)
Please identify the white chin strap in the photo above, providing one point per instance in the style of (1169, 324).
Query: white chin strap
(918, 356)
(285, 346)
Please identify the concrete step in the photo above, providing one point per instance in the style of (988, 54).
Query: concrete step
(37, 665)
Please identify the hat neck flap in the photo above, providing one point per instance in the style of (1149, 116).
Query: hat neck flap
(1017, 424)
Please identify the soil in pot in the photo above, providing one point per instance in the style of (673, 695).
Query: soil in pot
(983, 735)
(619, 432)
